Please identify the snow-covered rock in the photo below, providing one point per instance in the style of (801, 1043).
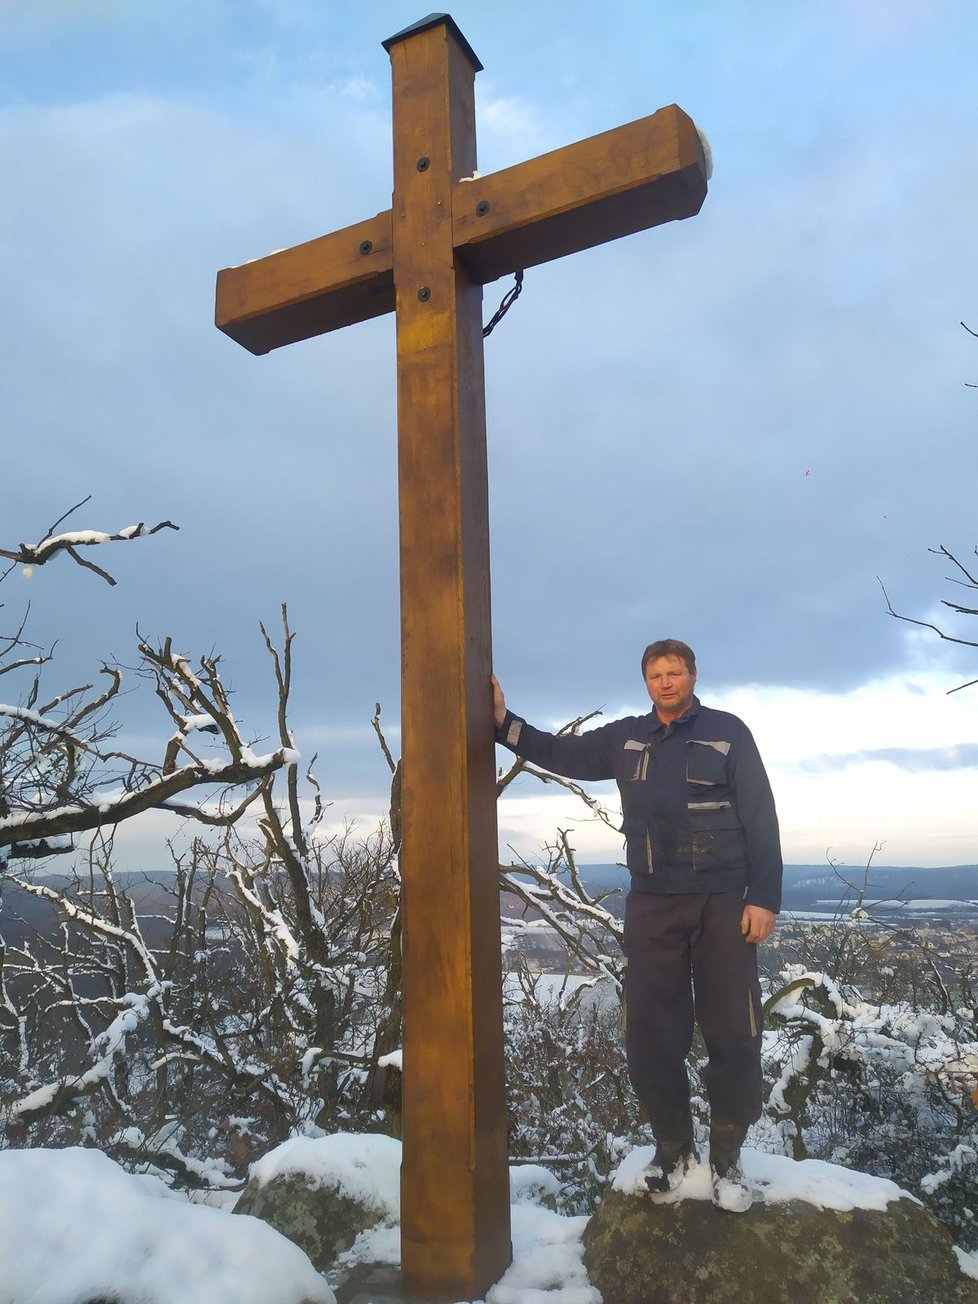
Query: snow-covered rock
(323, 1193)
(816, 1234)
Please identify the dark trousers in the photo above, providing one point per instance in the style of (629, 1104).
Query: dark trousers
(686, 958)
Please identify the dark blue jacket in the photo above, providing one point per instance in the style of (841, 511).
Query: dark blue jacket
(697, 806)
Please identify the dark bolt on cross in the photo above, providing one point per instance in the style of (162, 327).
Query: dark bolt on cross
(448, 233)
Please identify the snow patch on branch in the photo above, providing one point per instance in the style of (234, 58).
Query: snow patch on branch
(42, 722)
(107, 1046)
(960, 1158)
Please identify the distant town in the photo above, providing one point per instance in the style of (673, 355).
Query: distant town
(824, 891)
(933, 908)
(909, 910)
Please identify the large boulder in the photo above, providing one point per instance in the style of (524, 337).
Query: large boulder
(323, 1193)
(816, 1234)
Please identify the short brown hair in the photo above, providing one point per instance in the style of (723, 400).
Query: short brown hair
(669, 647)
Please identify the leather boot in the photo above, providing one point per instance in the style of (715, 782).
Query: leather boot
(675, 1152)
(730, 1190)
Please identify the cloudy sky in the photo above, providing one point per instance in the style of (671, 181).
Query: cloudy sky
(722, 430)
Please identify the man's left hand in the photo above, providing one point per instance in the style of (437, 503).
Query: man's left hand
(756, 923)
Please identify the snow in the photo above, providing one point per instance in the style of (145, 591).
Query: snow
(188, 723)
(528, 1182)
(73, 537)
(75, 1226)
(968, 1262)
(547, 1267)
(922, 903)
(555, 988)
(547, 1262)
(921, 1045)
(958, 1159)
(107, 801)
(35, 717)
(547, 1250)
(886, 905)
(105, 1232)
(773, 1179)
(809, 916)
(732, 1194)
(707, 151)
(287, 755)
(365, 1168)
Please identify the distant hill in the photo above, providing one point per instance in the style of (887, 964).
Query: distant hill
(816, 889)
(806, 883)
(819, 888)
(22, 913)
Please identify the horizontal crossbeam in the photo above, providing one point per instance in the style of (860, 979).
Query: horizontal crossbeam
(310, 289)
(615, 184)
(610, 185)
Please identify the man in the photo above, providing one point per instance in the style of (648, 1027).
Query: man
(702, 845)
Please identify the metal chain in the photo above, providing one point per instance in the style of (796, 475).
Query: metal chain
(509, 298)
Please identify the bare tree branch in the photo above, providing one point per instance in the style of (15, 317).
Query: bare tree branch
(969, 582)
(970, 384)
(519, 765)
(27, 827)
(392, 765)
(38, 554)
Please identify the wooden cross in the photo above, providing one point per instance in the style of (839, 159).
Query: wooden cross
(427, 259)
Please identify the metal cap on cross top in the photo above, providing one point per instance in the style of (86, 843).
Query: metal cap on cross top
(435, 20)
(426, 258)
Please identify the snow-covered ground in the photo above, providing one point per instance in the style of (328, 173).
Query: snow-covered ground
(74, 1225)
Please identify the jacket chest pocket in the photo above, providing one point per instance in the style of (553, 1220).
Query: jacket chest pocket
(706, 763)
(634, 761)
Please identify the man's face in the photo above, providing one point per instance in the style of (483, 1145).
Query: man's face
(670, 684)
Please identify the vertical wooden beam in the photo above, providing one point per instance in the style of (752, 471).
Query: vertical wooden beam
(455, 1233)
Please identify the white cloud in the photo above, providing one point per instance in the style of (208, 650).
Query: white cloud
(358, 89)
(923, 810)
(510, 129)
(920, 818)
(909, 710)
(529, 819)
